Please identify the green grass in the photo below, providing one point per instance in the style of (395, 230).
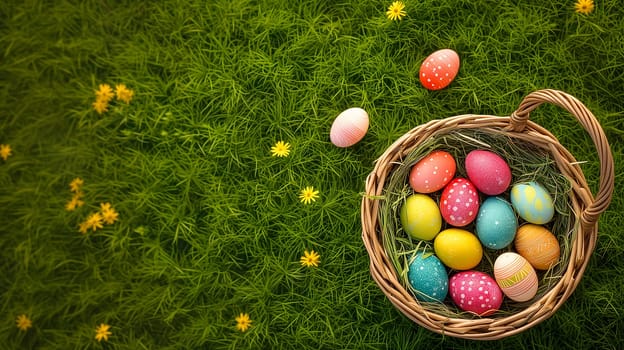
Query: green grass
(210, 225)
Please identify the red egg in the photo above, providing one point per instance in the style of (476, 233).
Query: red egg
(488, 171)
(475, 292)
(439, 69)
(432, 172)
(459, 203)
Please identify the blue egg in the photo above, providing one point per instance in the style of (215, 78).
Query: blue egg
(428, 277)
(496, 223)
(532, 202)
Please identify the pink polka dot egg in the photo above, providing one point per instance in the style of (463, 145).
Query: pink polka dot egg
(475, 292)
(459, 202)
(432, 172)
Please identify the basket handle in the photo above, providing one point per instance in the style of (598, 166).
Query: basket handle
(568, 102)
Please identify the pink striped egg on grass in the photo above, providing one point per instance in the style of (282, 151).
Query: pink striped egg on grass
(349, 127)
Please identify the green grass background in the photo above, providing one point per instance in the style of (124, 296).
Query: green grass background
(210, 224)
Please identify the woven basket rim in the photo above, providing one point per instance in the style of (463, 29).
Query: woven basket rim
(586, 207)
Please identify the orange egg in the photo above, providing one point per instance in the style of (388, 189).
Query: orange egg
(538, 245)
(439, 69)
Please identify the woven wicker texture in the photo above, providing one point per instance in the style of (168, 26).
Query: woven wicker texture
(586, 207)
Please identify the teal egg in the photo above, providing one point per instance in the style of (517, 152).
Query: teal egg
(532, 202)
(428, 277)
(496, 223)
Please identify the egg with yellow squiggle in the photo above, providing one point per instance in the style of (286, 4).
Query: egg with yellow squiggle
(532, 202)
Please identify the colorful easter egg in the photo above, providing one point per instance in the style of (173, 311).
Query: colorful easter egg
(420, 217)
(476, 292)
(532, 202)
(458, 249)
(496, 223)
(349, 127)
(488, 171)
(428, 277)
(515, 276)
(439, 69)
(459, 203)
(538, 245)
(432, 172)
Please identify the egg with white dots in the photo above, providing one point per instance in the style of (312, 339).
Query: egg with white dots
(439, 69)
(459, 202)
(432, 172)
(475, 292)
(428, 277)
(532, 202)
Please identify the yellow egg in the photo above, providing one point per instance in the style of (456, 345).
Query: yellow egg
(538, 245)
(420, 217)
(458, 249)
(515, 277)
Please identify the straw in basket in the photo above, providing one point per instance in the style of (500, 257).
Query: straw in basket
(579, 226)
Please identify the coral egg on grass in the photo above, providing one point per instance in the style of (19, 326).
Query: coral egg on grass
(439, 69)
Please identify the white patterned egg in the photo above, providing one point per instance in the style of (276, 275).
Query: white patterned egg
(349, 127)
(515, 276)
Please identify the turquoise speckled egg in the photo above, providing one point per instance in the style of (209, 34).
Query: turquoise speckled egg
(428, 277)
(496, 223)
(532, 202)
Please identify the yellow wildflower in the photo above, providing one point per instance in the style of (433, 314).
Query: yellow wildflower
(94, 221)
(243, 322)
(74, 203)
(109, 215)
(396, 11)
(5, 151)
(83, 227)
(100, 105)
(123, 93)
(308, 195)
(102, 332)
(23, 322)
(76, 184)
(310, 258)
(584, 6)
(281, 149)
(105, 93)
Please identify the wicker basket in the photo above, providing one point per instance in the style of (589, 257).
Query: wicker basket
(586, 207)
